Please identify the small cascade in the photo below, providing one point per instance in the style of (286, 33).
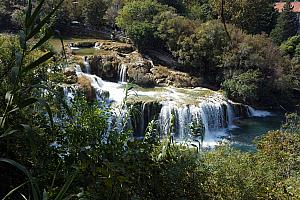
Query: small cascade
(87, 65)
(257, 113)
(150, 61)
(214, 115)
(165, 119)
(230, 114)
(210, 118)
(143, 110)
(122, 73)
(68, 94)
(78, 70)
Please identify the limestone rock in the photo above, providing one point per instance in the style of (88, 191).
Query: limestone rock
(168, 77)
(85, 84)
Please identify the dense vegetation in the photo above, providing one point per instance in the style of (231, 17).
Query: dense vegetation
(54, 149)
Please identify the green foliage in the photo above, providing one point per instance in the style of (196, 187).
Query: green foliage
(179, 5)
(287, 25)
(291, 46)
(136, 19)
(255, 16)
(202, 49)
(172, 28)
(236, 175)
(94, 11)
(243, 87)
(201, 11)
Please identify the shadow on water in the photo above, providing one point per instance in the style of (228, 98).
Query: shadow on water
(252, 128)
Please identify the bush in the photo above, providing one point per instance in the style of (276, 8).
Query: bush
(243, 87)
(203, 48)
(136, 19)
(171, 28)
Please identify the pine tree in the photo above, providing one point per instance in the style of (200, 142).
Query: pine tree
(287, 25)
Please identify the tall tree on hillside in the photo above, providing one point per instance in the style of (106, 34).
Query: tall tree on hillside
(287, 25)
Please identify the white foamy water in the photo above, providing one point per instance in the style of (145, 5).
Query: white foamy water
(258, 113)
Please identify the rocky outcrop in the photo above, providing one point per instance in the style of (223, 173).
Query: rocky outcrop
(106, 66)
(117, 47)
(139, 70)
(86, 86)
(168, 77)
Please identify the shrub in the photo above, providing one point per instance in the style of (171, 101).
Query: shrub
(243, 87)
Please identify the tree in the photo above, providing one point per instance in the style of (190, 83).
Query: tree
(254, 16)
(243, 87)
(200, 10)
(136, 18)
(287, 25)
(94, 10)
(171, 28)
(177, 4)
(203, 48)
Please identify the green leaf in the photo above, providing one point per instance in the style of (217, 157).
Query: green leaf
(13, 190)
(26, 127)
(27, 102)
(34, 187)
(46, 37)
(2, 122)
(8, 132)
(22, 38)
(43, 22)
(13, 110)
(9, 97)
(28, 13)
(46, 105)
(45, 195)
(17, 128)
(39, 61)
(65, 188)
(14, 74)
(35, 13)
(18, 59)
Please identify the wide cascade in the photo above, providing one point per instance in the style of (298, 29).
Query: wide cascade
(184, 113)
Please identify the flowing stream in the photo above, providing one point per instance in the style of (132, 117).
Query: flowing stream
(191, 115)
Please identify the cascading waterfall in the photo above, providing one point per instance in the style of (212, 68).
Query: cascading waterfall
(210, 117)
(212, 114)
(257, 113)
(87, 65)
(122, 73)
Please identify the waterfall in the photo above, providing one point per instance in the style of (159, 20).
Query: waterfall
(230, 114)
(150, 61)
(213, 116)
(258, 113)
(142, 124)
(68, 94)
(179, 111)
(165, 118)
(87, 65)
(122, 73)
